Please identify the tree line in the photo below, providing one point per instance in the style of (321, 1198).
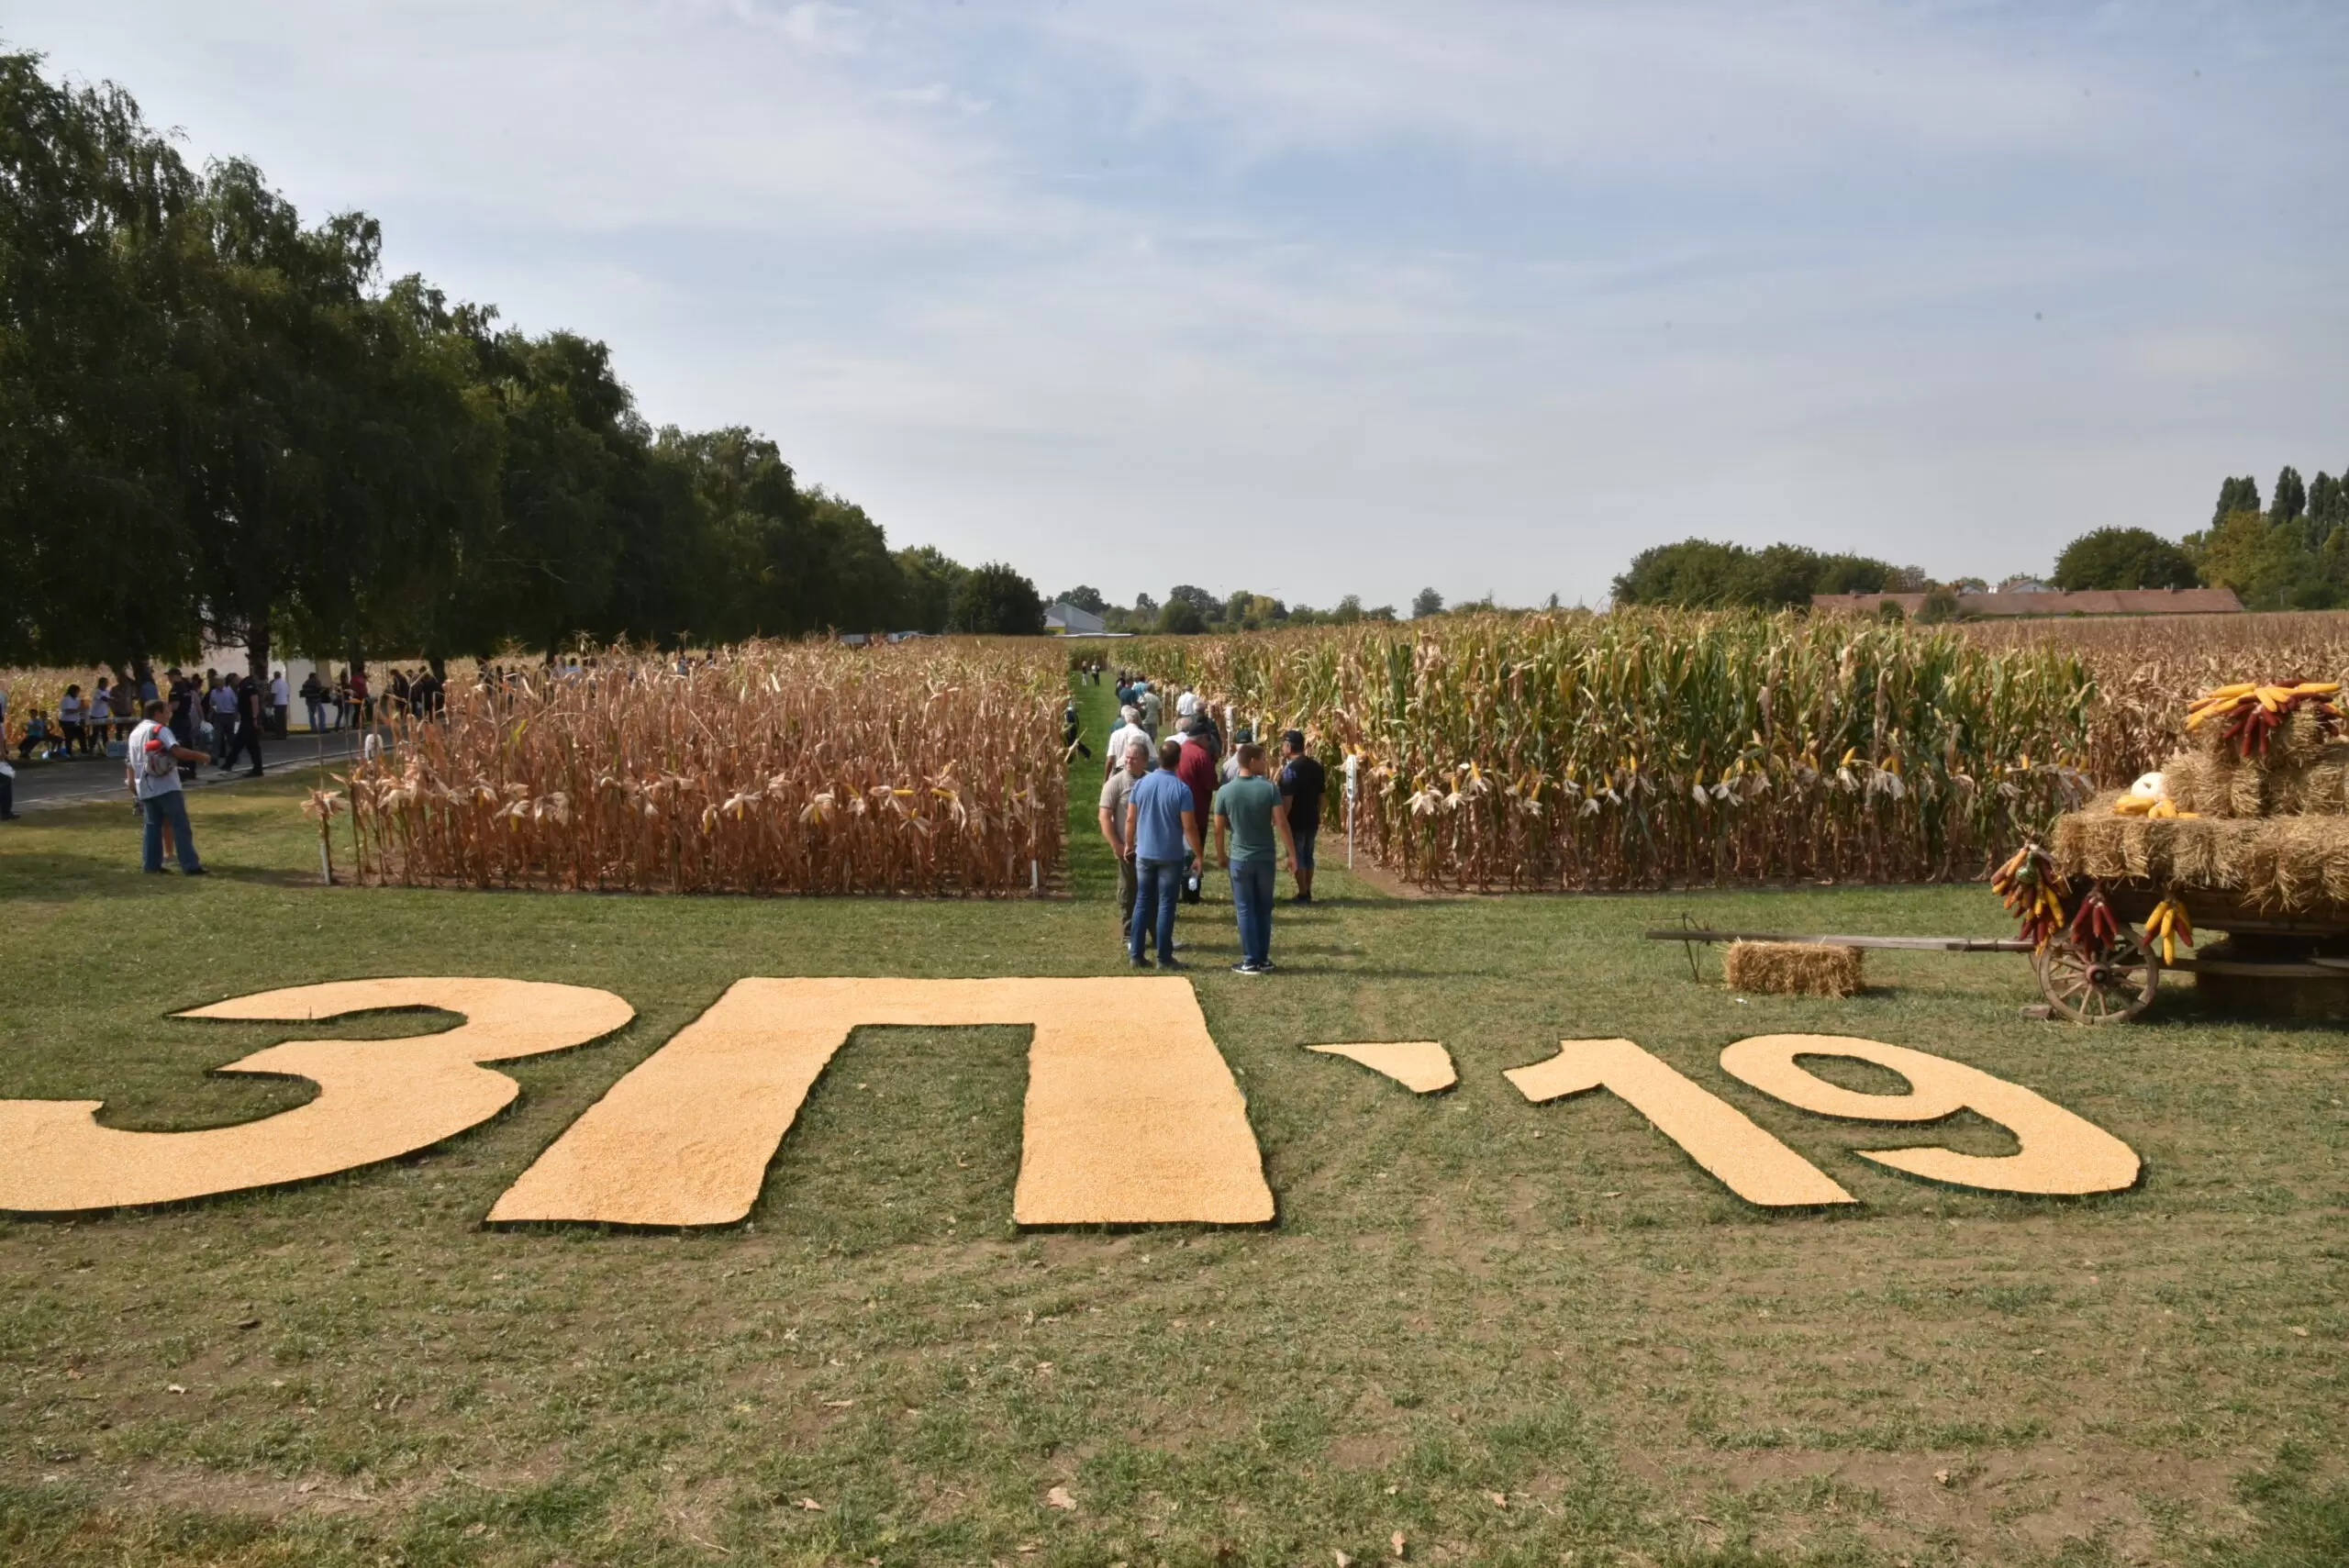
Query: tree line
(1189, 609)
(220, 424)
(2290, 553)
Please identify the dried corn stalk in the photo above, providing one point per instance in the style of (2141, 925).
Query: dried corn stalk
(934, 770)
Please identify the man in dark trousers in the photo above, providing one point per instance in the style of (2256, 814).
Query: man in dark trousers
(1195, 767)
(1302, 782)
(250, 715)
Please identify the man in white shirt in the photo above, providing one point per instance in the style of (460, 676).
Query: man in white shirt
(281, 697)
(1125, 735)
(152, 758)
(222, 701)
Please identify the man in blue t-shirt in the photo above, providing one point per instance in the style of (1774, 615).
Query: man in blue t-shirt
(1162, 825)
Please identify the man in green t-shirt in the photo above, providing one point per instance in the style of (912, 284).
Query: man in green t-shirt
(1249, 816)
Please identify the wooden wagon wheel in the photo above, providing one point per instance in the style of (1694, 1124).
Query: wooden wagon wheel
(2090, 990)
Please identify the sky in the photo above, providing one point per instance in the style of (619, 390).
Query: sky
(1328, 297)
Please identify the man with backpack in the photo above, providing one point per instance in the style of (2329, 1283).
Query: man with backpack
(153, 759)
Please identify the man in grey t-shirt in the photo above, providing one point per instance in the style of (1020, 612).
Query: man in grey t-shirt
(153, 757)
(1132, 765)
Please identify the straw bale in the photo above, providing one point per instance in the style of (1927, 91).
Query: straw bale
(2283, 789)
(2196, 783)
(2198, 857)
(2068, 843)
(2301, 740)
(1793, 969)
(2246, 791)
(2329, 782)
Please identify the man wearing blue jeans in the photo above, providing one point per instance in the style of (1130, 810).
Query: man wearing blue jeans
(1250, 810)
(154, 756)
(1163, 829)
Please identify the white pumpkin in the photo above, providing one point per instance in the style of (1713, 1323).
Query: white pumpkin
(2152, 787)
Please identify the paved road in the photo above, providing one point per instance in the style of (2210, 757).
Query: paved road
(86, 781)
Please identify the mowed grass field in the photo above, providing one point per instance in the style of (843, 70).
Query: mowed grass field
(1503, 1333)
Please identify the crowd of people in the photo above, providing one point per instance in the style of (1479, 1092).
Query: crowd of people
(187, 719)
(1160, 799)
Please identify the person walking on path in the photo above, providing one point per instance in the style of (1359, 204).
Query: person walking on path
(1126, 733)
(246, 716)
(1302, 783)
(152, 761)
(1249, 809)
(1152, 707)
(1072, 733)
(1133, 764)
(280, 699)
(1163, 828)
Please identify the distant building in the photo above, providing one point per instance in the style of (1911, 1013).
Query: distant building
(1064, 619)
(2024, 586)
(2040, 600)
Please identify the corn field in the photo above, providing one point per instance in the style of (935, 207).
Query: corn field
(931, 769)
(1643, 749)
(2146, 669)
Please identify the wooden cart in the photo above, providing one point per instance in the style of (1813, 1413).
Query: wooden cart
(2283, 962)
(2267, 962)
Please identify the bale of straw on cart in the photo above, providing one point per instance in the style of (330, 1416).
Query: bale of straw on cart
(1793, 969)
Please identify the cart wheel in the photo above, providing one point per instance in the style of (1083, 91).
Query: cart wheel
(2097, 991)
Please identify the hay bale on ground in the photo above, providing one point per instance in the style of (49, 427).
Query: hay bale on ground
(1793, 969)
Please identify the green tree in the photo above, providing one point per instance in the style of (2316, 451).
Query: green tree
(1181, 617)
(97, 224)
(1694, 573)
(1349, 610)
(997, 600)
(1701, 575)
(1425, 602)
(2235, 495)
(1084, 597)
(2249, 555)
(2123, 558)
(2291, 497)
(931, 579)
(2328, 500)
(1210, 609)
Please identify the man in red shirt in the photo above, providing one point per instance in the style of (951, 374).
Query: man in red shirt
(1196, 769)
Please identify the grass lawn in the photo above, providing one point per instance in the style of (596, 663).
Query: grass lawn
(1466, 1298)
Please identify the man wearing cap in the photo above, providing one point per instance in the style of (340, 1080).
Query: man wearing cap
(1229, 769)
(1132, 760)
(1195, 765)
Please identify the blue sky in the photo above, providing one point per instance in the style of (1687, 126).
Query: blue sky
(1312, 297)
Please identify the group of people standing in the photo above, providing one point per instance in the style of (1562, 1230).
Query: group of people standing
(1158, 799)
